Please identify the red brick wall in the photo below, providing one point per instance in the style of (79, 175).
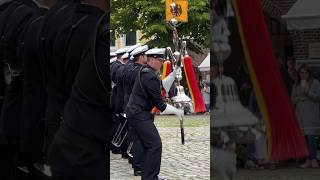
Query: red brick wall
(284, 5)
(271, 9)
(301, 40)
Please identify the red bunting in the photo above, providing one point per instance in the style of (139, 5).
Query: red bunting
(285, 139)
(195, 93)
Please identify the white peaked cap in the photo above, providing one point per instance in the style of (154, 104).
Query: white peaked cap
(131, 48)
(125, 55)
(121, 51)
(156, 51)
(139, 50)
(113, 59)
(113, 54)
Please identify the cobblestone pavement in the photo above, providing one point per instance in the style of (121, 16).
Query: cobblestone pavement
(188, 161)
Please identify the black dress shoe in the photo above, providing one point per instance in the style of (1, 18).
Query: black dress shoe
(130, 160)
(137, 173)
(125, 156)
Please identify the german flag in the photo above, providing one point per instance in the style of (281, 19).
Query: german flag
(166, 70)
(285, 139)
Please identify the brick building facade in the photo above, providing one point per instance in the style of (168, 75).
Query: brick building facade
(294, 42)
(300, 38)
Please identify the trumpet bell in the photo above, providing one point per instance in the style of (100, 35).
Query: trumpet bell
(120, 135)
(129, 149)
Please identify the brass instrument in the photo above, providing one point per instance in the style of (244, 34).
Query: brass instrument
(118, 138)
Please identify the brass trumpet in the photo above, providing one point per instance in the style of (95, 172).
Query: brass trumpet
(117, 139)
(132, 139)
(129, 149)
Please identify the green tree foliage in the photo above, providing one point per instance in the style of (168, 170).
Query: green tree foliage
(148, 16)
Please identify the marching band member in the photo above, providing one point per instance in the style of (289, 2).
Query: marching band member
(146, 94)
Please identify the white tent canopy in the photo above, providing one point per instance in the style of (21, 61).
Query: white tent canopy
(304, 14)
(205, 65)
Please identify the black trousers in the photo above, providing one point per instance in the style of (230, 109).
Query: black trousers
(52, 123)
(115, 124)
(119, 120)
(8, 161)
(152, 147)
(137, 149)
(74, 156)
(124, 145)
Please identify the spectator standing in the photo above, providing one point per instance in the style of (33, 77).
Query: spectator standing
(206, 94)
(306, 98)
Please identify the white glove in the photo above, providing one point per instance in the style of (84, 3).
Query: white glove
(172, 110)
(168, 81)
